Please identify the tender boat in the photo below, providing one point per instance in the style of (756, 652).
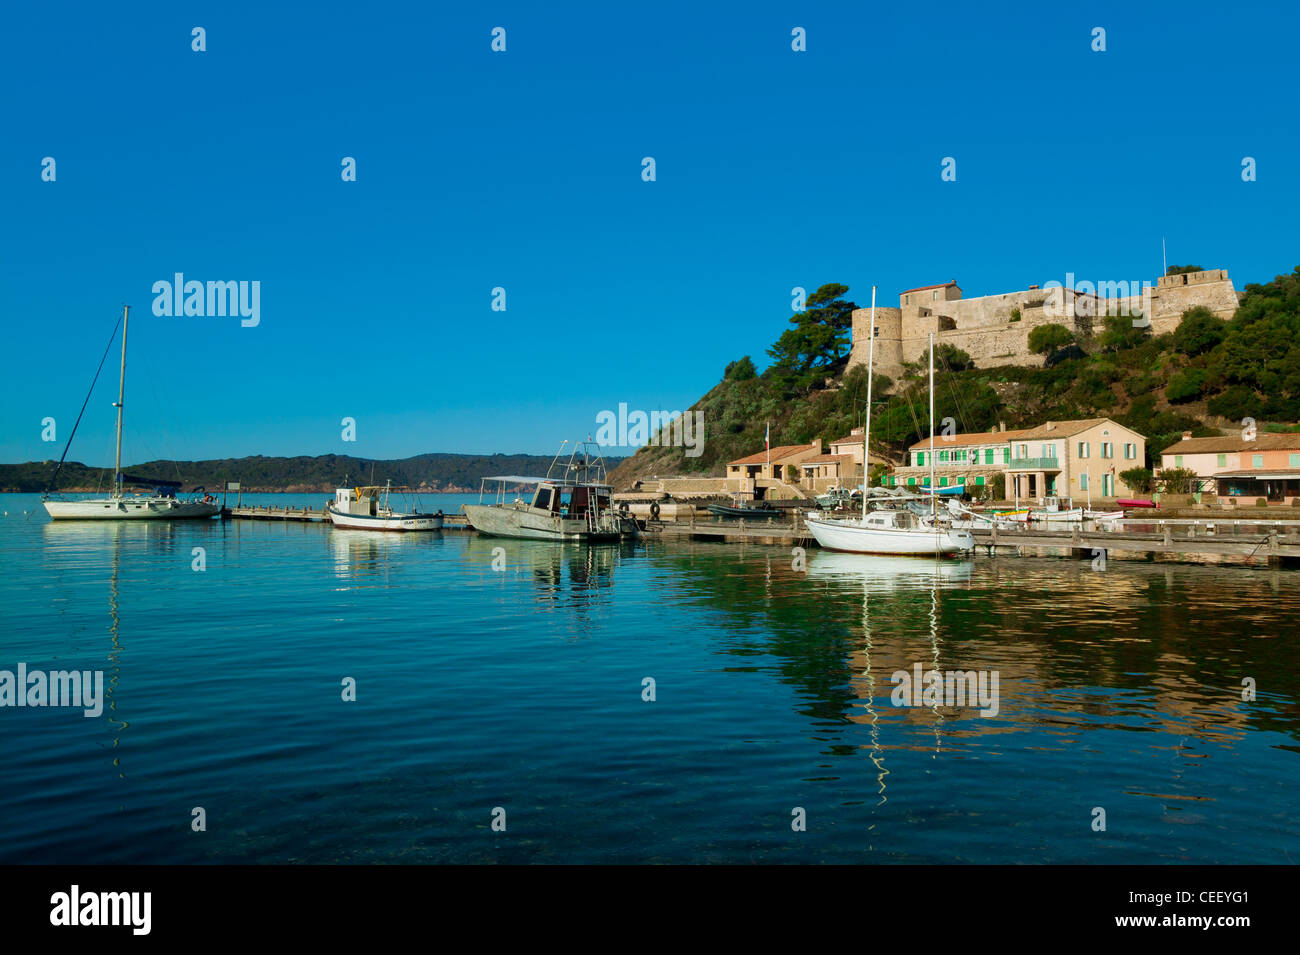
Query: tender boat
(572, 503)
(367, 508)
(159, 503)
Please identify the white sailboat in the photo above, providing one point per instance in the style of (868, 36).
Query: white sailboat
(161, 504)
(887, 531)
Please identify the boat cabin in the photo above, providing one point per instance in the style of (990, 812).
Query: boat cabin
(894, 520)
(357, 500)
(573, 500)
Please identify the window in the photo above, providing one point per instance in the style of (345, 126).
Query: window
(1006, 455)
(943, 482)
(1083, 449)
(1083, 481)
(1130, 451)
(911, 482)
(1107, 450)
(1223, 460)
(1257, 460)
(920, 459)
(988, 456)
(1024, 450)
(1107, 485)
(980, 480)
(1049, 451)
(1295, 460)
(934, 296)
(1178, 460)
(943, 455)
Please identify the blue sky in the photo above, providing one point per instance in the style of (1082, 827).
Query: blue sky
(522, 170)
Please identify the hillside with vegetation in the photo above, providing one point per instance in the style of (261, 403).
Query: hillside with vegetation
(1204, 377)
(433, 472)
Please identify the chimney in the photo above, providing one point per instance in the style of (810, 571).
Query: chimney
(1051, 426)
(1186, 435)
(1002, 426)
(1033, 288)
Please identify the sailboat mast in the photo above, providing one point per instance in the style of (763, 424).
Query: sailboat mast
(934, 500)
(121, 394)
(866, 427)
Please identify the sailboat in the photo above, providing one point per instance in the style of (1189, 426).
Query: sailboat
(160, 503)
(890, 531)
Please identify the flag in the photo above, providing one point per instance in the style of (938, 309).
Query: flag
(767, 437)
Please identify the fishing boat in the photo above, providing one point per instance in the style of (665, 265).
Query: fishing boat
(159, 502)
(572, 503)
(368, 508)
(1052, 513)
(743, 509)
(1135, 502)
(891, 531)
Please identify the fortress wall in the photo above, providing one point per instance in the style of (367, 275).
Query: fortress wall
(1171, 301)
(982, 326)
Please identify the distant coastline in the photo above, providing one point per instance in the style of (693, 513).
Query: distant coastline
(433, 473)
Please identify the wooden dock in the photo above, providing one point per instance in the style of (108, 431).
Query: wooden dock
(1275, 543)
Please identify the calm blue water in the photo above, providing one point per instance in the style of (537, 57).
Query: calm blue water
(521, 688)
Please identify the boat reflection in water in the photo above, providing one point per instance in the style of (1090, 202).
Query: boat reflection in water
(72, 542)
(888, 573)
(569, 574)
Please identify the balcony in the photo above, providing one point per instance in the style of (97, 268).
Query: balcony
(1035, 464)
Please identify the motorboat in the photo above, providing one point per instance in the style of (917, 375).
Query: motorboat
(369, 508)
(571, 503)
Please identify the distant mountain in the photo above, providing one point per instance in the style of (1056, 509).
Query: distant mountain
(433, 472)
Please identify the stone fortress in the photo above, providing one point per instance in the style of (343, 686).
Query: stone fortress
(994, 329)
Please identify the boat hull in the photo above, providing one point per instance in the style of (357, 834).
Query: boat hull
(726, 510)
(528, 523)
(393, 523)
(855, 538)
(131, 509)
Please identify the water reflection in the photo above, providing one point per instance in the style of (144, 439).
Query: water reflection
(576, 577)
(75, 541)
(1137, 648)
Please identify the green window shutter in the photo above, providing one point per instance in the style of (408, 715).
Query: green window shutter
(1257, 460)
(1295, 460)
(1223, 460)
(1178, 460)
(911, 482)
(920, 459)
(1006, 455)
(943, 482)
(979, 480)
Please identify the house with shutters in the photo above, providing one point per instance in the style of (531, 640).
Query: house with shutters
(1079, 459)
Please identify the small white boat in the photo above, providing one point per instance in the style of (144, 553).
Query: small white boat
(367, 508)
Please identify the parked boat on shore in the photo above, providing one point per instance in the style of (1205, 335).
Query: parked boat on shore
(572, 503)
(369, 508)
